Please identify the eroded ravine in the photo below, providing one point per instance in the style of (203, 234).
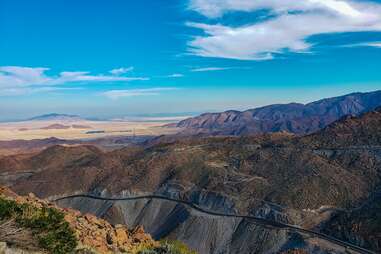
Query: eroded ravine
(178, 214)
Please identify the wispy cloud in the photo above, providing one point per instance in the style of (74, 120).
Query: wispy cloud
(210, 69)
(175, 75)
(287, 29)
(205, 69)
(117, 94)
(375, 44)
(15, 76)
(121, 70)
(31, 90)
(66, 77)
(215, 9)
(17, 79)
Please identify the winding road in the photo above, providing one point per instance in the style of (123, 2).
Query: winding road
(256, 220)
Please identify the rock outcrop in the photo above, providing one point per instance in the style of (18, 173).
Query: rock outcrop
(91, 232)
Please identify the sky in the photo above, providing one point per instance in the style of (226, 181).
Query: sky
(116, 58)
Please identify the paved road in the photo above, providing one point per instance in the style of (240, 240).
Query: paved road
(256, 220)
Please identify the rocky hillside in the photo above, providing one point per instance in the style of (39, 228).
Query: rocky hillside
(350, 131)
(244, 169)
(294, 118)
(28, 146)
(37, 145)
(306, 181)
(359, 225)
(31, 225)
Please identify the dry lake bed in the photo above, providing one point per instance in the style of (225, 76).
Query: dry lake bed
(83, 129)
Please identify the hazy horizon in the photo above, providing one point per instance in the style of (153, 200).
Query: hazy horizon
(158, 115)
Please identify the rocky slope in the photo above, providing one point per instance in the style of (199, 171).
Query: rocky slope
(89, 232)
(305, 181)
(350, 131)
(294, 118)
(361, 225)
(28, 146)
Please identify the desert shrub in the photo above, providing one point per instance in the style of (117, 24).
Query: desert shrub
(143, 248)
(148, 251)
(176, 247)
(86, 250)
(168, 247)
(7, 208)
(48, 225)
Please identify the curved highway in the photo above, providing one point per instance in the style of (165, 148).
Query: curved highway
(256, 220)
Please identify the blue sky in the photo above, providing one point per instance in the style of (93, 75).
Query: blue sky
(116, 58)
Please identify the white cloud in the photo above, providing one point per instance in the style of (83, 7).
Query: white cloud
(30, 90)
(293, 23)
(217, 8)
(15, 76)
(16, 80)
(373, 44)
(116, 94)
(210, 69)
(78, 76)
(121, 70)
(175, 75)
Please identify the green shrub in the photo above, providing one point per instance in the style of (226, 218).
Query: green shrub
(85, 250)
(168, 247)
(47, 224)
(177, 247)
(148, 251)
(7, 208)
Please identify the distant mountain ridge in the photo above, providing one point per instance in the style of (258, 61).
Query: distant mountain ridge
(55, 116)
(293, 117)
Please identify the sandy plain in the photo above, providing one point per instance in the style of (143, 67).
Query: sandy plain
(82, 129)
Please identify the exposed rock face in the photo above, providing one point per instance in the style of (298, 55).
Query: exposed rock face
(298, 180)
(202, 232)
(99, 234)
(293, 118)
(295, 251)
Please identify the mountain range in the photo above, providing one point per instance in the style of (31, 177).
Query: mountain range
(322, 181)
(294, 117)
(55, 117)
